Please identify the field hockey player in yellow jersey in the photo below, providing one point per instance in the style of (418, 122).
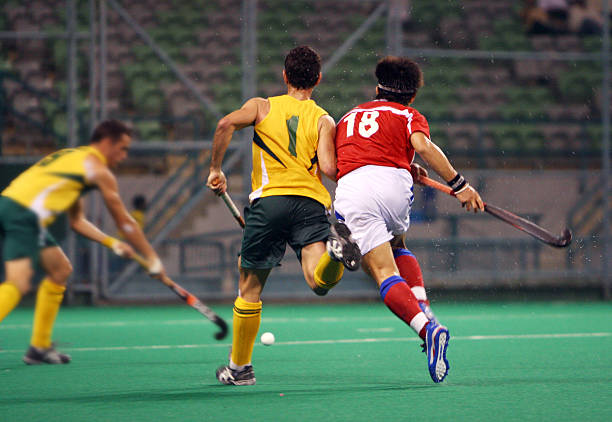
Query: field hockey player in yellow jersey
(293, 143)
(31, 203)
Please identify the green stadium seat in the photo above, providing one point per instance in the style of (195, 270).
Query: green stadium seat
(233, 73)
(149, 130)
(60, 124)
(592, 44)
(142, 52)
(533, 140)
(595, 134)
(491, 43)
(504, 26)
(440, 137)
(434, 111)
(157, 71)
(170, 19)
(5, 65)
(516, 40)
(147, 97)
(152, 103)
(49, 107)
(507, 138)
(133, 72)
(528, 95)
(275, 37)
(578, 86)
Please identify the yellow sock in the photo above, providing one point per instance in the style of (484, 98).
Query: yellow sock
(247, 316)
(328, 272)
(9, 298)
(48, 300)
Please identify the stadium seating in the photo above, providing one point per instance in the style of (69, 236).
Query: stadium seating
(203, 37)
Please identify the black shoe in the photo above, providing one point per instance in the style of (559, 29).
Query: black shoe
(228, 376)
(320, 291)
(36, 356)
(342, 247)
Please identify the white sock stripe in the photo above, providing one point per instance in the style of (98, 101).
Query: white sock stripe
(419, 292)
(236, 367)
(418, 322)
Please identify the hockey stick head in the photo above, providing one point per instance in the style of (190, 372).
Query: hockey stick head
(520, 223)
(564, 240)
(220, 335)
(530, 227)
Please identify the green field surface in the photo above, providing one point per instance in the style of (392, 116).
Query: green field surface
(509, 362)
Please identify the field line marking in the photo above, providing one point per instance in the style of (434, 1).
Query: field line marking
(177, 322)
(333, 341)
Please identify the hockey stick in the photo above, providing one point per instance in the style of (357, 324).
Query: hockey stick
(233, 208)
(191, 300)
(520, 223)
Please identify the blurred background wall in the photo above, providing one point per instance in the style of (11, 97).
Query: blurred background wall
(516, 93)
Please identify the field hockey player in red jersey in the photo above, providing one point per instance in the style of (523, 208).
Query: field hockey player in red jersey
(375, 144)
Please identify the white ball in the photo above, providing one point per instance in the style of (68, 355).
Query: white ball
(267, 339)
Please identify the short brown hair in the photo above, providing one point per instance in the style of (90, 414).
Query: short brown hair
(399, 79)
(112, 129)
(302, 67)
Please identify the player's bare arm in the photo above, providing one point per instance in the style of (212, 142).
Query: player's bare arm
(437, 160)
(249, 114)
(80, 224)
(326, 150)
(107, 184)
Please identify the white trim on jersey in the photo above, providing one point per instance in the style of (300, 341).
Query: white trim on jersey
(264, 180)
(38, 204)
(407, 114)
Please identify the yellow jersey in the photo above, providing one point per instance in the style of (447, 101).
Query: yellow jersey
(52, 185)
(285, 146)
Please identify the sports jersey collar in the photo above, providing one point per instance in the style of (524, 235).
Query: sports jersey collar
(95, 152)
(295, 99)
(400, 109)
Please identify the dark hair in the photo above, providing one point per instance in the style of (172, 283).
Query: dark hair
(112, 129)
(399, 79)
(139, 202)
(302, 67)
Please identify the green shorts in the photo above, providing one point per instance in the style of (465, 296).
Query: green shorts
(274, 221)
(20, 232)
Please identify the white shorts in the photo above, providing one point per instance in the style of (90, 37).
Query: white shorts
(374, 202)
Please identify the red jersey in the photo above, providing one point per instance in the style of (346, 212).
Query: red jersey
(377, 133)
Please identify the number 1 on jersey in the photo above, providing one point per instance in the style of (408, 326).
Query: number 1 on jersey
(368, 125)
(292, 126)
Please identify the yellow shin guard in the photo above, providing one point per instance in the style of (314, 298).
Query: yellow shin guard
(328, 272)
(9, 298)
(247, 317)
(48, 300)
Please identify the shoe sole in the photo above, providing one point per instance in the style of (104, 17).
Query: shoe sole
(244, 382)
(30, 361)
(351, 255)
(439, 368)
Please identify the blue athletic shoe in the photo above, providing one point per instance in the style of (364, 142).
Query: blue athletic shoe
(437, 341)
